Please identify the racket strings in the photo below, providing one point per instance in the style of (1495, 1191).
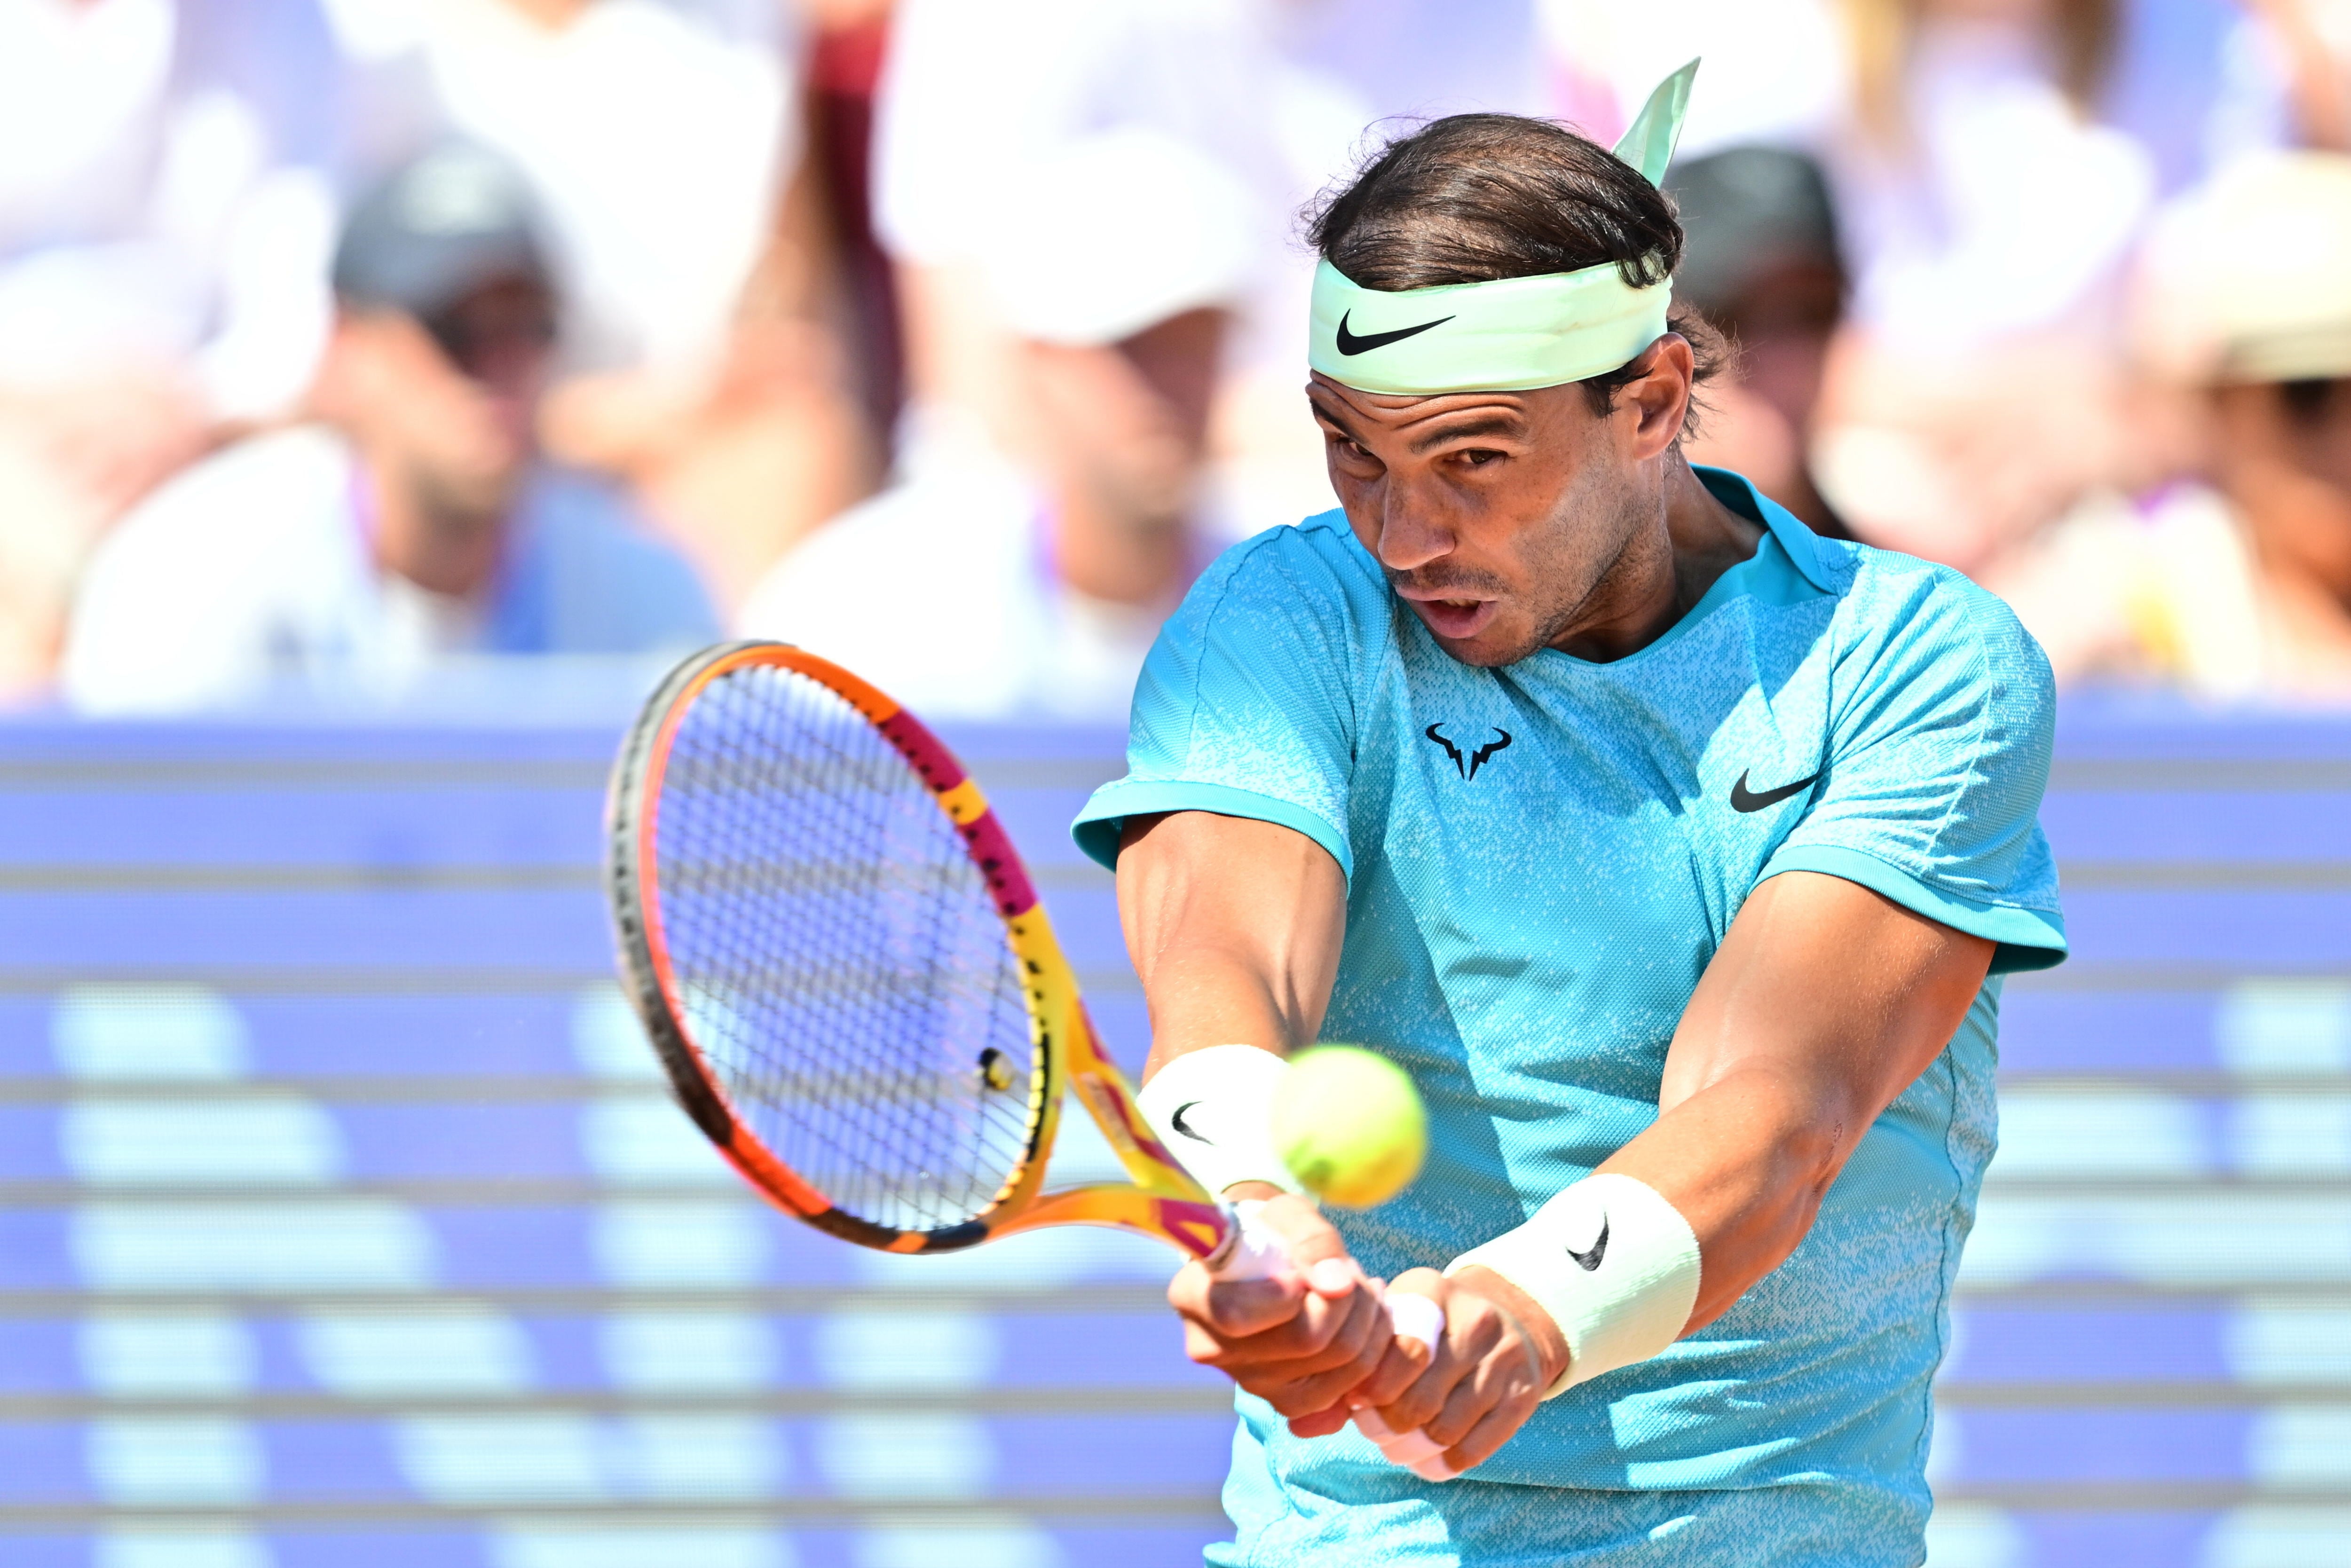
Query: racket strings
(841, 967)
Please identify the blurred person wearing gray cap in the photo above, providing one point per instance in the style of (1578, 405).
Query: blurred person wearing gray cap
(412, 520)
(2235, 581)
(1761, 262)
(1023, 563)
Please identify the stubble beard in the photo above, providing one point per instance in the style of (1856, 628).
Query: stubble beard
(1565, 577)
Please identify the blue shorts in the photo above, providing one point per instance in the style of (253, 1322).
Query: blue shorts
(1826, 1523)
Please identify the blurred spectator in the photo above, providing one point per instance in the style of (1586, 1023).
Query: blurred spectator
(2237, 582)
(844, 81)
(1023, 566)
(1280, 94)
(412, 521)
(665, 143)
(165, 215)
(1994, 163)
(1760, 261)
(2309, 45)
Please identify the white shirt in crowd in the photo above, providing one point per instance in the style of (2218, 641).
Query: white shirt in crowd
(941, 591)
(166, 194)
(255, 568)
(658, 134)
(1999, 209)
(1284, 97)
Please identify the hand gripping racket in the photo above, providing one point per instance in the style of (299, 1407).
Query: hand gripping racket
(847, 974)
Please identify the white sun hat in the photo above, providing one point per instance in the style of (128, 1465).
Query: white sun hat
(2248, 278)
(1116, 231)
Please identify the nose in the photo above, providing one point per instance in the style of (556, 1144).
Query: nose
(1412, 532)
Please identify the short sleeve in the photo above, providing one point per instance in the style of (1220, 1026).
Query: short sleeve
(1246, 704)
(1939, 753)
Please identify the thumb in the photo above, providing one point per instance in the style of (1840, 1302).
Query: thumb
(1316, 1249)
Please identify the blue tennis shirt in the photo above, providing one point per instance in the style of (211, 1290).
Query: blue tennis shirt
(1540, 861)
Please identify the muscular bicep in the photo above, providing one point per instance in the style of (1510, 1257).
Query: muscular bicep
(1824, 980)
(1234, 925)
(1823, 1002)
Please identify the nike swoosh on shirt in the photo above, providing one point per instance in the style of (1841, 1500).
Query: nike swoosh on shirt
(1351, 344)
(1744, 800)
(1181, 1125)
(1588, 1261)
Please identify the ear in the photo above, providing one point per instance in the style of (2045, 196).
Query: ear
(1656, 402)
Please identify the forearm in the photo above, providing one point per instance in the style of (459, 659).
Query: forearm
(1746, 1160)
(1823, 1003)
(1200, 997)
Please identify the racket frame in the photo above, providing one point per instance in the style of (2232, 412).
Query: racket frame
(1159, 1201)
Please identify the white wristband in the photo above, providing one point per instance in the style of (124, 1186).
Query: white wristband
(1213, 1109)
(1614, 1265)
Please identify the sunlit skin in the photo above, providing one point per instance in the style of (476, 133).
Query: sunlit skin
(1513, 521)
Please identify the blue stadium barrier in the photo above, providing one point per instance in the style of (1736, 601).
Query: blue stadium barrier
(342, 1219)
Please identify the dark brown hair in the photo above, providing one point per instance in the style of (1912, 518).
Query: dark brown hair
(1471, 198)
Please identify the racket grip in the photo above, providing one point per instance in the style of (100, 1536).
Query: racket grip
(1254, 1252)
(1412, 1317)
(1257, 1253)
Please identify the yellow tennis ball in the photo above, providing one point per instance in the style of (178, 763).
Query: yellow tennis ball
(1350, 1125)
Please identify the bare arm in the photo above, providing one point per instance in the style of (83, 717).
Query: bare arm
(1823, 1004)
(1234, 926)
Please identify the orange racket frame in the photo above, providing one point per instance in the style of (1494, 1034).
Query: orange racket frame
(1161, 1201)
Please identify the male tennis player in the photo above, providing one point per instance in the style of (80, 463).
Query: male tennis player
(1676, 853)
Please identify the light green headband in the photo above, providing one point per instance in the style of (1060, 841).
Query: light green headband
(1511, 334)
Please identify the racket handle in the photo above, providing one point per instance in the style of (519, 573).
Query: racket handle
(1257, 1253)
(1413, 1317)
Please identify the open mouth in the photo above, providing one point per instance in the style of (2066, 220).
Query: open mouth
(1456, 618)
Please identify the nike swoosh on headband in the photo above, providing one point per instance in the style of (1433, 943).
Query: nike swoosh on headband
(1181, 1125)
(1349, 343)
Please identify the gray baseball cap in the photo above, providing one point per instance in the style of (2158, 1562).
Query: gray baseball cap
(1748, 212)
(455, 219)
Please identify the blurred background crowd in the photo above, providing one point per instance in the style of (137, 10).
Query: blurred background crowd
(952, 338)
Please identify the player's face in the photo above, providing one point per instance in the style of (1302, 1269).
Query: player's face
(1504, 518)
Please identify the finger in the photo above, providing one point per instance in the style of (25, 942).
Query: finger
(1493, 1429)
(1407, 1355)
(1316, 1249)
(1321, 1424)
(1195, 1292)
(1399, 1365)
(1318, 1336)
(1427, 1394)
(1298, 1384)
(1366, 1338)
(1241, 1309)
(1464, 1406)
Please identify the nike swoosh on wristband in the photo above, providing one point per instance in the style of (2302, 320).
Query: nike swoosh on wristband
(1744, 800)
(1181, 1125)
(1349, 344)
(1588, 1261)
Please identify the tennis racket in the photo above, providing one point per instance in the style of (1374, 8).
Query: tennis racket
(847, 974)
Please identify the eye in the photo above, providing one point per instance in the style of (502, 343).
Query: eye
(1477, 456)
